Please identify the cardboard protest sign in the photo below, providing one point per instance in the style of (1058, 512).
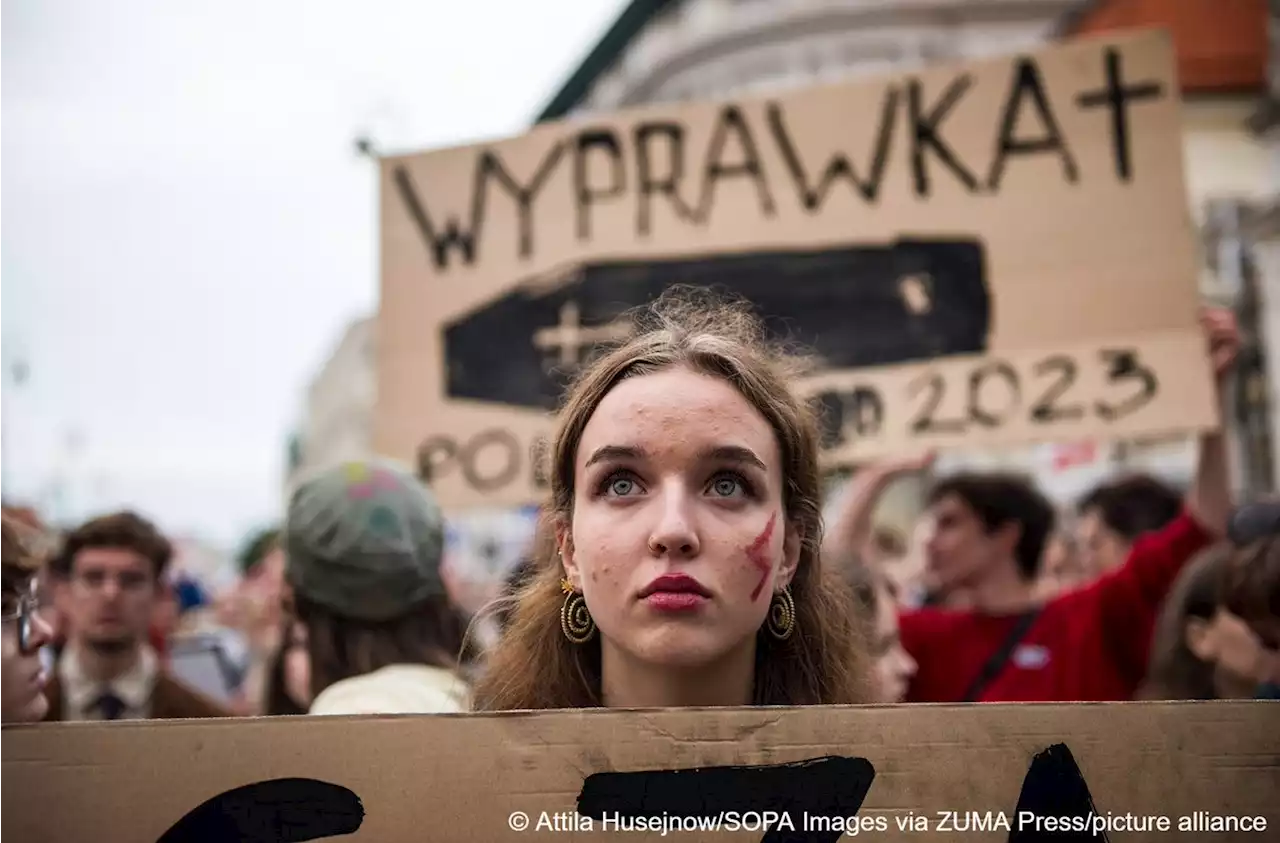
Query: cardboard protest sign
(989, 253)
(1127, 772)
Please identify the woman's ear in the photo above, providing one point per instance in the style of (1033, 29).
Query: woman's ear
(1199, 640)
(792, 542)
(564, 549)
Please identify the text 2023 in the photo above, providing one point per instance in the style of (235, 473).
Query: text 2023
(993, 392)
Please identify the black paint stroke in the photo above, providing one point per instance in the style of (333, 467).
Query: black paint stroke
(831, 787)
(1055, 787)
(847, 304)
(1116, 96)
(926, 134)
(275, 811)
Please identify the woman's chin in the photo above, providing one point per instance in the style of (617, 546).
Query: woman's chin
(681, 649)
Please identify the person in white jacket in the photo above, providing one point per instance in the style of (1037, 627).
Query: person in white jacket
(364, 543)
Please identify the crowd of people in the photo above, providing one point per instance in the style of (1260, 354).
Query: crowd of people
(685, 556)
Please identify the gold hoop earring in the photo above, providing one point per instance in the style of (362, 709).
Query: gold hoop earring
(575, 619)
(781, 622)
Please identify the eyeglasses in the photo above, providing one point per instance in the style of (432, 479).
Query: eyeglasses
(22, 608)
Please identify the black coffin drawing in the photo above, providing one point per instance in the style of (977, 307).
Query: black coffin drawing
(859, 306)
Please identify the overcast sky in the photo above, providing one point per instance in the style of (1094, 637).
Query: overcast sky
(187, 229)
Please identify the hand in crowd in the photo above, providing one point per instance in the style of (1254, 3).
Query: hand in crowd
(910, 464)
(1223, 334)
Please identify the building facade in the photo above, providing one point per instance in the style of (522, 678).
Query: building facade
(337, 421)
(664, 51)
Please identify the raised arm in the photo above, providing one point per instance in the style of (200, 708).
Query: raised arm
(850, 526)
(1129, 597)
(1209, 498)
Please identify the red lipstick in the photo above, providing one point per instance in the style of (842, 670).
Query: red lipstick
(675, 593)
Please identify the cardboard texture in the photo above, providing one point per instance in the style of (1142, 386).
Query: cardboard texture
(462, 777)
(980, 254)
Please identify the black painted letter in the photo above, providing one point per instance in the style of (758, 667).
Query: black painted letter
(1027, 83)
(924, 134)
(275, 811)
(830, 787)
(490, 166)
(453, 237)
(1055, 787)
(731, 120)
(812, 197)
(584, 193)
(647, 184)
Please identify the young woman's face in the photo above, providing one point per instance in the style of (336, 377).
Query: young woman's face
(678, 538)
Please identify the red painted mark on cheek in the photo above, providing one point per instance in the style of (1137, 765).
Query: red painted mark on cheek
(757, 552)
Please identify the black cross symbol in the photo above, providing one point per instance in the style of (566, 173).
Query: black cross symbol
(1117, 96)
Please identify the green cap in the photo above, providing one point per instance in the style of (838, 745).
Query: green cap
(365, 540)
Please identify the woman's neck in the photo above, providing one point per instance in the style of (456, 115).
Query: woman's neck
(627, 682)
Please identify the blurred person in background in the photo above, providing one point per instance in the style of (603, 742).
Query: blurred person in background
(1201, 650)
(1116, 513)
(521, 575)
(878, 619)
(885, 546)
(252, 610)
(852, 538)
(22, 685)
(288, 681)
(165, 614)
(199, 651)
(1063, 568)
(363, 546)
(107, 579)
(1252, 584)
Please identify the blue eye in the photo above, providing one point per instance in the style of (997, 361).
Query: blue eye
(619, 485)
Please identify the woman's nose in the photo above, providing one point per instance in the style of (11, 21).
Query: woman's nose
(675, 534)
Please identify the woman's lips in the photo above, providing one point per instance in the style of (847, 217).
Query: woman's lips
(675, 593)
(675, 601)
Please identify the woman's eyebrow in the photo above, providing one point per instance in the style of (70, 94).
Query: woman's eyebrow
(733, 453)
(615, 452)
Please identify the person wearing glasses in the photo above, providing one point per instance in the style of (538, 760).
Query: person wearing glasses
(24, 677)
(107, 579)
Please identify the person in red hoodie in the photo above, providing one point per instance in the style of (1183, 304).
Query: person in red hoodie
(989, 533)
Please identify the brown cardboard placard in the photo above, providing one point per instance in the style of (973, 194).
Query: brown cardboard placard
(940, 769)
(988, 253)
